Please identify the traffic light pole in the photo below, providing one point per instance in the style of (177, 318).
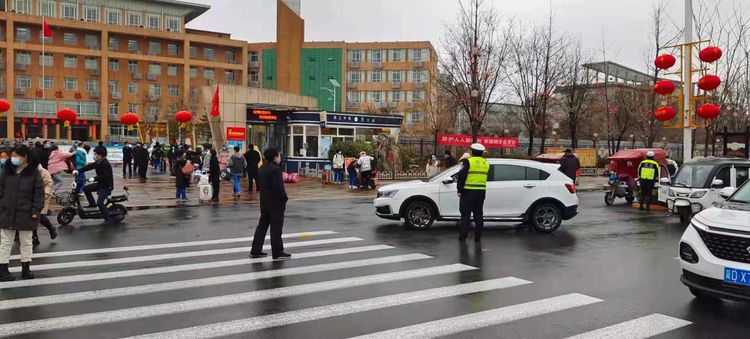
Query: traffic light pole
(687, 84)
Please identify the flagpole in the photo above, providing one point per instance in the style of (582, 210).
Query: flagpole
(44, 90)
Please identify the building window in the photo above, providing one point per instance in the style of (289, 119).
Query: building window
(254, 76)
(132, 45)
(418, 54)
(154, 21)
(397, 55)
(114, 86)
(91, 41)
(396, 96)
(70, 84)
(69, 10)
(154, 69)
(172, 70)
(91, 13)
(113, 16)
(208, 73)
(415, 96)
(376, 97)
(376, 76)
(92, 85)
(132, 66)
(132, 88)
(114, 109)
(418, 76)
(174, 24)
(376, 55)
(70, 38)
(354, 97)
(355, 56)
(154, 90)
(45, 82)
(355, 77)
(254, 56)
(23, 81)
(154, 48)
(46, 60)
(91, 63)
(22, 6)
(135, 19)
(397, 76)
(23, 58)
(193, 52)
(114, 43)
(48, 8)
(174, 90)
(416, 117)
(172, 49)
(231, 56)
(71, 61)
(229, 76)
(133, 108)
(193, 72)
(209, 54)
(114, 65)
(23, 34)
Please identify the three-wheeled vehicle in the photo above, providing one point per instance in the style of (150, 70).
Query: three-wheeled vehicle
(623, 174)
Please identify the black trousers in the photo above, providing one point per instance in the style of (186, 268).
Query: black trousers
(127, 169)
(365, 181)
(215, 188)
(142, 170)
(275, 219)
(647, 192)
(472, 202)
(251, 176)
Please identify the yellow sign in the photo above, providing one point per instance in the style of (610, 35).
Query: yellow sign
(587, 156)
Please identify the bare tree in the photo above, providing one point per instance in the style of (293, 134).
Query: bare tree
(473, 61)
(629, 102)
(577, 101)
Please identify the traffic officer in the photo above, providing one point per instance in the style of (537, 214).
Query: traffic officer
(472, 188)
(648, 173)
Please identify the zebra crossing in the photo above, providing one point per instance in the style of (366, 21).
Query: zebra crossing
(122, 291)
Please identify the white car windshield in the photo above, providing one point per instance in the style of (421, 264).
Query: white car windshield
(742, 195)
(693, 175)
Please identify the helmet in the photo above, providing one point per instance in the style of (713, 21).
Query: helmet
(478, 147)
(650, 154)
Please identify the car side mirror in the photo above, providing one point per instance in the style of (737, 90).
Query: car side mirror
(717, 183)
(448, 181)
(726, 192)
(664, 181)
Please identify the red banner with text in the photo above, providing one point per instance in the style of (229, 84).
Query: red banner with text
(236, 133)
(489, 142)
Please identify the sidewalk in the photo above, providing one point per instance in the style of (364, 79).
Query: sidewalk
(590, 184)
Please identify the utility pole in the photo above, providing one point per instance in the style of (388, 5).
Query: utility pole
(687, 83)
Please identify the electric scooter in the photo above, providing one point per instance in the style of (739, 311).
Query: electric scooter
(72, 206)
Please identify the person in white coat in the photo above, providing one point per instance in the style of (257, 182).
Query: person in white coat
(338, 168)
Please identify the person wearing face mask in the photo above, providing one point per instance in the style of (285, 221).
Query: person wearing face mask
(21, 204)
(3, 159)
(433, 166)
(102, 183)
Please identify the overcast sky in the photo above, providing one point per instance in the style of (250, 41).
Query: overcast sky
(624, 23)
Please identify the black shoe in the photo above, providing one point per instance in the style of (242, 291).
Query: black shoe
(5, 274)
(26, 271)
(52, 232)
(107, 222)
(35, 241)
(258, 255)
(462, 237)
(282, 256)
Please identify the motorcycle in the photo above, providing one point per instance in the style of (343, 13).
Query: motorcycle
(72, 206)
(620, 186)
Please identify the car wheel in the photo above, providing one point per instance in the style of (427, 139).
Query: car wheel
(609, 198)
(546, 217)
(419, 215)
(702, 295)
(118, 213)
(65, 217)
(630, 199)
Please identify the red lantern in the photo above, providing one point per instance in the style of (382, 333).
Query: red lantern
(710, 54)
(67, 115)
(664, 113)
(709, 82)
(664, 87)
(665, 61)
(129, 119)
(708, 111)
(4, 106)
(183, 117)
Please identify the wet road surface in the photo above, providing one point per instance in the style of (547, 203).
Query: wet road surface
(185, 273)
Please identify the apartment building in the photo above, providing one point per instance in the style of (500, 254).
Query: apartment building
(106, 58)
(375, 77)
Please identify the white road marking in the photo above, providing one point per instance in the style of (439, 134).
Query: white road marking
(472, 321)
(645, 327)
(97, 318)
(178, 255)
(166, 245)
(334, 310)
(193, 283)
(180, 268)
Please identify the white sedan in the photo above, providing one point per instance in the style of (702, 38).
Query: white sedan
(517, 191)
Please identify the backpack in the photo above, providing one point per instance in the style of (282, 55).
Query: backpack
(188, 169)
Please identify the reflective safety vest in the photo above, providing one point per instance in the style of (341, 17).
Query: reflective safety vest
(477, 177)
(648, 169)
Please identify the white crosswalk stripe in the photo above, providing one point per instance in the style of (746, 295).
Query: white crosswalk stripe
(165, 288)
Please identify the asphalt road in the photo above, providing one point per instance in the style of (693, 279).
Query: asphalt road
(185, 273)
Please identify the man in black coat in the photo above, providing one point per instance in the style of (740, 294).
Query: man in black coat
(569, 164)
(273, 200)
(103, 183)
(252, 157)
(140, 157)
(127, 161)
(40, 154)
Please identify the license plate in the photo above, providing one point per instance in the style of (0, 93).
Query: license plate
(736, 276)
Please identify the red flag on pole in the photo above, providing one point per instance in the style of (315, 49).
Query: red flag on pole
(47, 29)
(215, 104)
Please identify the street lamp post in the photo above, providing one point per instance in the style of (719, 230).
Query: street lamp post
(596, 141)
(632, 141)
(335, 85)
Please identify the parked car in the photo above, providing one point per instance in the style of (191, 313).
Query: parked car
(715, 248)
(698, 182)
(517, 191)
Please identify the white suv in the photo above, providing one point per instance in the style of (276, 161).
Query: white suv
(715, 248)
(517, 191)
